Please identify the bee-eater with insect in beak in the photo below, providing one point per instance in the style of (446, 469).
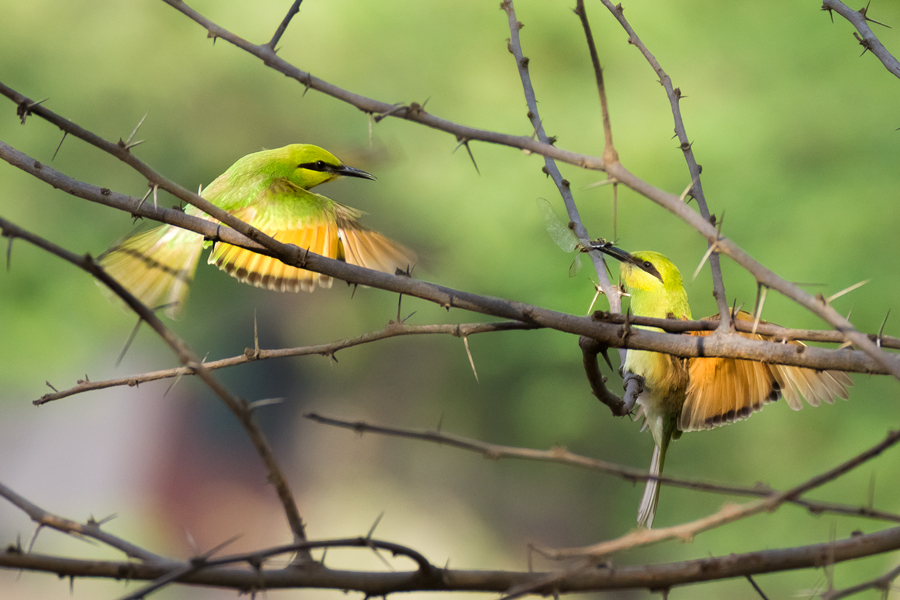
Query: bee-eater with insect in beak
(270, 191)
(700, 393)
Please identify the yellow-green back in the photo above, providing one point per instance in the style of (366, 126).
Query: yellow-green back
(240, 185)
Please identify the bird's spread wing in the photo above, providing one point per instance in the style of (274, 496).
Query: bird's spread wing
(156, 266)
(366, 248)
(311, 222)
(724, 390)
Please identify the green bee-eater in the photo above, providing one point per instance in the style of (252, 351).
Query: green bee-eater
(270, 191)
(700, 393)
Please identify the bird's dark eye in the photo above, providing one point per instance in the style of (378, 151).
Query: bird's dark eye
(648, 264)
(319, 165)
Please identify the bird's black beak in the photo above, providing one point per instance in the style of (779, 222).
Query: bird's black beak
(620, 255)
(346, 171)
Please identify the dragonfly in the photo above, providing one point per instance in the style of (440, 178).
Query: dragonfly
(565, 238)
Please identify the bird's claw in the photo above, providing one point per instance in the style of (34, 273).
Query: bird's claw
(634, 387)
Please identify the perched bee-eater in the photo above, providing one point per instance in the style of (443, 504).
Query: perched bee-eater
(700, 393)
(270, 191)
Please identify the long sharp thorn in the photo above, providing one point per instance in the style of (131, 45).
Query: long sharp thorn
(106, 520)
(596, 295)
(881, 329)
(130, 339)
(688, 189)
(173, 384)
(471, 360)
(147, 195)
(709, 251)
(65, 133)
(847, 290)
(155, 188)
(9, 253)
(605, 354)
(128, 143)
(265, 402)
(440, 423)
(759, 309)
(607, 181)
(471, 156)
(374, 525)
(37, 530)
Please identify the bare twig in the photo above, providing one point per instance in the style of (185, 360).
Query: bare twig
(869, 41)
(882, 583)
(254, 354)
(90, 529)
(609, 151)
(564, 457)
(412, 112)
(295, 8)
(550, 167)
(727, 514)
(674, 95)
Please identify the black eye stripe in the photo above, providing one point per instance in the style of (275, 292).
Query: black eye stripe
(319, 165)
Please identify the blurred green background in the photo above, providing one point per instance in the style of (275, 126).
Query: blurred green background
(797, 137)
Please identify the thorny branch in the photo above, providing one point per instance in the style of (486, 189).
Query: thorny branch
(869, 41)
(612, 335)
(596, 578)
(701, 222)
(550, 167)
(91, 529)
(696, 189)
(185, 355)
(651, 577)
(590, 555)
(562, 456)
(393, 329)
(728, 514)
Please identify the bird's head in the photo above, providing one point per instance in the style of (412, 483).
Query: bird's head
(308, 166)
(653, 281)
(645, 270)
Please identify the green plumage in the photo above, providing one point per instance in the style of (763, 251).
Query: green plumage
(270, 191)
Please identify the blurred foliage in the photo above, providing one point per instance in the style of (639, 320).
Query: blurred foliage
(797, 137)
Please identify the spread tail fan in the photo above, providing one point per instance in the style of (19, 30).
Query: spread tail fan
(156, 266)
